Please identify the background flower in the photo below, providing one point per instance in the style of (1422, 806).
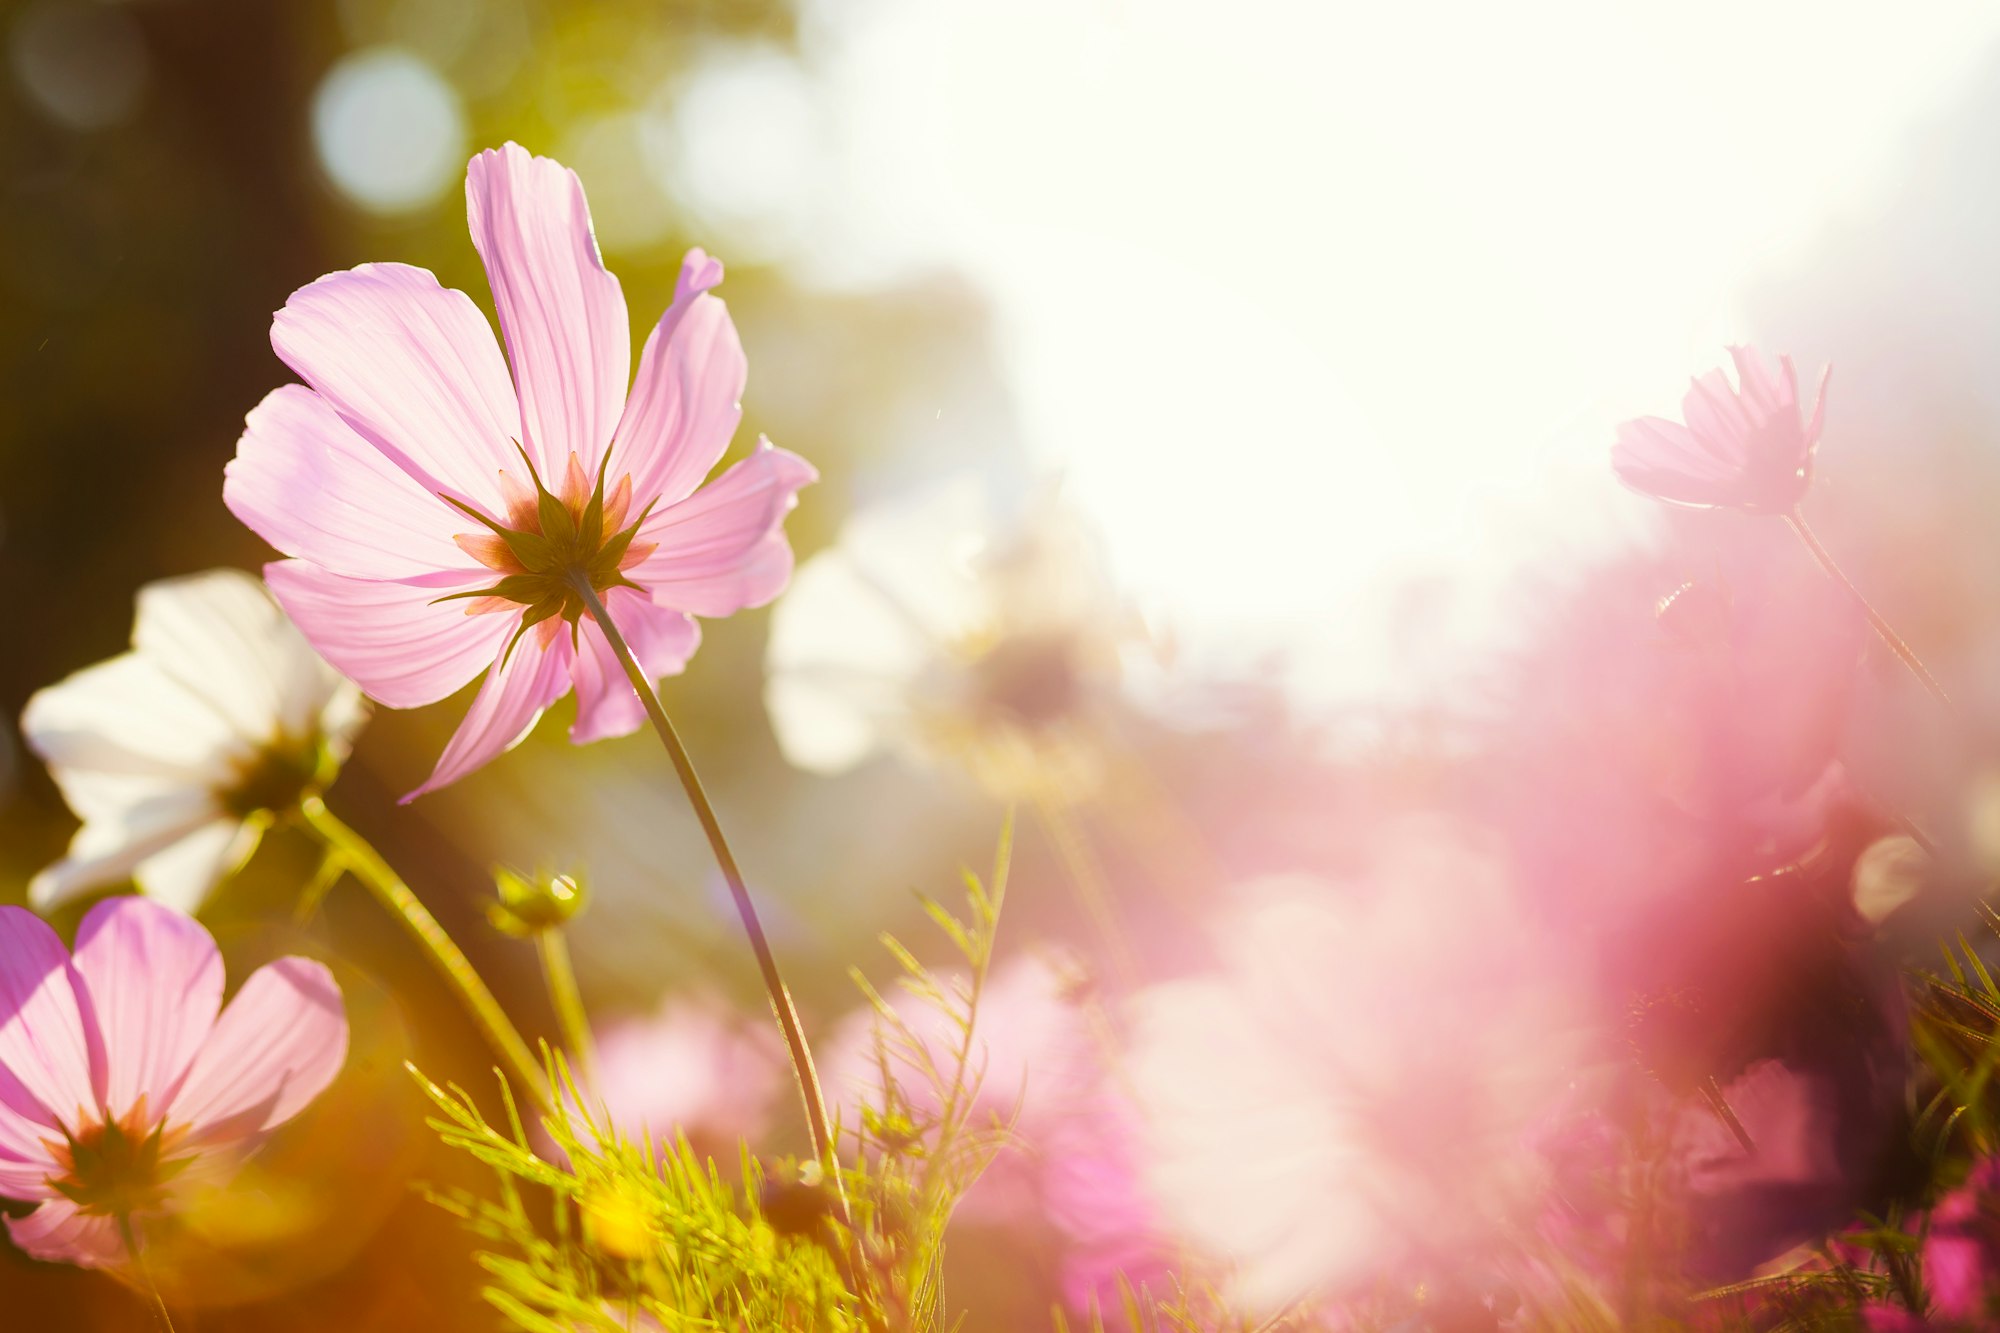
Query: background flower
(935, 629)
(1071, 1161)
(123, 1078)
(177, 753)
(1326, 1141)
(1742, 447)
(695, 1067)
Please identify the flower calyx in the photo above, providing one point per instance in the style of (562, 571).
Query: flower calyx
(552, 547)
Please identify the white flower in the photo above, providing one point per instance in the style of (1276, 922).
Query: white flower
(930, 630)
(176, 754)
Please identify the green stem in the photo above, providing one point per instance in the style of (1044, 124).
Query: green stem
(1073, 848)
(131, 1239)
(1880, 625)
(817, 1120)
(395, 896)
(331, 868)
(560, 974)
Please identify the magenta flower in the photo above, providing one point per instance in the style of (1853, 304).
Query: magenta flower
(443, 519)
(1742, 448)
(122, 1077)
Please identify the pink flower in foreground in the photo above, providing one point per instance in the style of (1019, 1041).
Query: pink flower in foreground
(1742, 448)
(442, 517)
(123, 1078)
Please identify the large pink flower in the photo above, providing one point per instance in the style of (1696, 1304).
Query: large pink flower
(122, 1077)
(1741, 448)
(442, 515)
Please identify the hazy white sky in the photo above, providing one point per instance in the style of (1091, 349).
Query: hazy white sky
(1311, 300)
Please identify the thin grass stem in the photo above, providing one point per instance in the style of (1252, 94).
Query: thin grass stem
(1073, 849)
(1881, 626)
(367, 865)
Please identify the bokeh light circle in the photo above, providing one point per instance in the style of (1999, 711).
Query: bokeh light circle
(388, 129)
(84, 66)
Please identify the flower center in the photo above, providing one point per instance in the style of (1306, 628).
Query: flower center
(117, 1167)
(277, 777)
(1031, 680)
(552, 546)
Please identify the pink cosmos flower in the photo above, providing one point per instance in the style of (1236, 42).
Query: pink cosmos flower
(443, 518)
(122, 1077)
(1742, 448)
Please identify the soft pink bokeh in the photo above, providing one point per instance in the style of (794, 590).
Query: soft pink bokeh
(408, 412)
(1342, 1099)
(1073, 1164)
(130, 1032)
(694, 1067)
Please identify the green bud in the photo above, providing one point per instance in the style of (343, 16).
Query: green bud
(529, 906)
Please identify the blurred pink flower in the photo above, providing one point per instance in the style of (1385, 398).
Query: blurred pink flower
(1073, 1160)
(441, 515)
(1343, 1101)
(1741, 448)
(122, 1078)
(693, 1066)
(1961, 1260)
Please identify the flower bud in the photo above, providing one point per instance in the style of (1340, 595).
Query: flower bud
(529, 906)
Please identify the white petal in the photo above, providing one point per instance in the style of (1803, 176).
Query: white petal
(220, 634)
(840, 659)
(921, 551)
(127, 716)
(109, 850)
(183, 874)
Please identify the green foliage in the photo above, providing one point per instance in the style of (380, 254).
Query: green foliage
(609, 1234)
(622, 1230)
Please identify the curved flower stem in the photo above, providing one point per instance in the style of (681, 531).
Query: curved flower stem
(817, 1119)
(131, 1239)
(367, 865)
(1881, 626)
(560, 974)
(331, 868)
(1073, 849)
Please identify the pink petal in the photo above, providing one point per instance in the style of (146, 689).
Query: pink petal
(1661, 458)
(1818, 419)
(1756, 384)
(722, 548)
(154, 979)
(306, 483)
(275, 1048)
(684, 409)
(25, 1160)
(509, 704)
(396, 640)
(563, 314)
(45, 1043)
(413, 367)
(60, 1232)
(662, 640)
(1714, 415)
